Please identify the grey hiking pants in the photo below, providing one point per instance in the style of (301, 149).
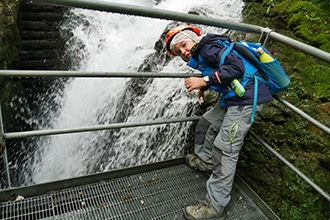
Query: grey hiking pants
(219, 138)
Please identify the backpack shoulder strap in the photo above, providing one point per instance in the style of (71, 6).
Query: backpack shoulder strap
(241, 49)
(224, 52)
(249, 56)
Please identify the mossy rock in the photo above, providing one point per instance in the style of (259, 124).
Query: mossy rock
(10, 41)
(309, 21)
(300, 142)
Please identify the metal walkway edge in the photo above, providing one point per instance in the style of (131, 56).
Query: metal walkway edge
(153, 191)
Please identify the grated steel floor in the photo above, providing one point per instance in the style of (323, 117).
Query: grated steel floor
(155, 194)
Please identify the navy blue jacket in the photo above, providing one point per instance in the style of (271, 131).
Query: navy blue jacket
(233, 68)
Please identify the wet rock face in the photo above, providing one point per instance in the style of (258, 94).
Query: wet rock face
(41, 41)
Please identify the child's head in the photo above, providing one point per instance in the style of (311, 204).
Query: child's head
(181, 39)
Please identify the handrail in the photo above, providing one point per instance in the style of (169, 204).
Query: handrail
(304, 115)
(23, 134)
(153, 13)
(58, 73)
(169, 15)
(293, 168)
(197, 19)
(300, 46)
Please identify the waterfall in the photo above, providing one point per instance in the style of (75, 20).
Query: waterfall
(100, 41)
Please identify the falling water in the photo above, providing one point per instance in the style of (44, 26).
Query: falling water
(111, 42)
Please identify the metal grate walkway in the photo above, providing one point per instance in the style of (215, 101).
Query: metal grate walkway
(159, 193)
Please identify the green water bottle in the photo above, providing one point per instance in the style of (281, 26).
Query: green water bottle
(238, 88)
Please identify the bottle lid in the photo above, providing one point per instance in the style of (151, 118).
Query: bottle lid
(260, 50)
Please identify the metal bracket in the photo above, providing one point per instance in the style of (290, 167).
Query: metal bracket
(264, 36)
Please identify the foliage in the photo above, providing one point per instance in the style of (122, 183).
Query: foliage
(9, 51)
(299, 192)
(309, 20)
(297, 140)
(270, 4)
(9, 47)
(318, 75)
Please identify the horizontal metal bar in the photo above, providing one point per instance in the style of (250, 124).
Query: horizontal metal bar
(304, 115)
(59, 73)
(23, 134)
(152, 13)
(191, 18)
(300, 46)
(293, 168)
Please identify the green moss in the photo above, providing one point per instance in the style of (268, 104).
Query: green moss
(9, 36)
(297, 140)
(318, 76)
(309, 20)
(9, 55)
(309, 76)
(299, 200)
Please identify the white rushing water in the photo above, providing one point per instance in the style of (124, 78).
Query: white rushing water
(112, 42)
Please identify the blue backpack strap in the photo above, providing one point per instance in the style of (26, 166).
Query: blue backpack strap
(225, 53)
(256, 78)
(255, 99)
(255, 96)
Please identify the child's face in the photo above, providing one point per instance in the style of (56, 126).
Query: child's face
(183, 48)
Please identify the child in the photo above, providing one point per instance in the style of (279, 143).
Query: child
(220, 132)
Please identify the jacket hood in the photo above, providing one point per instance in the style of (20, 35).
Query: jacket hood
(207, 39)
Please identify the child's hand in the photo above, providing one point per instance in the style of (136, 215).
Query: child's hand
(192, 83)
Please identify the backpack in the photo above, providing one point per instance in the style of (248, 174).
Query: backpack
(272, 72)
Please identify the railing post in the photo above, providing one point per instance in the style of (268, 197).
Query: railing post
(3, 150)
(2, 140)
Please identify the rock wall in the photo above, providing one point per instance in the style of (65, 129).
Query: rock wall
(41, 40)
(9, 35)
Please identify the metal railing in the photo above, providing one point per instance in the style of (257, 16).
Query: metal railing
(265, 34)
(177, 16)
